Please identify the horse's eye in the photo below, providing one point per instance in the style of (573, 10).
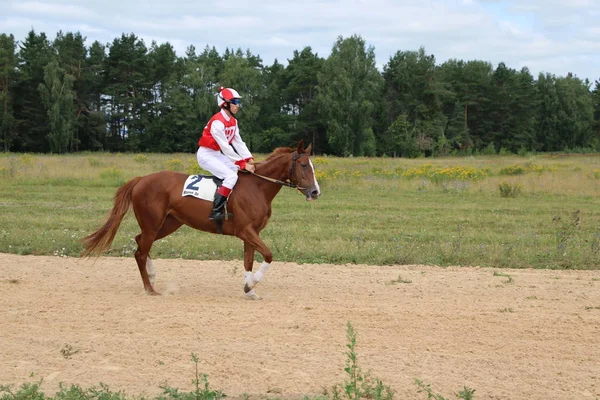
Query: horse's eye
(304, 165)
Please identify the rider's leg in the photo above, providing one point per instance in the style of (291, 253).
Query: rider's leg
(219, 165)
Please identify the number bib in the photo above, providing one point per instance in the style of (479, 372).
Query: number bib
(202, 187)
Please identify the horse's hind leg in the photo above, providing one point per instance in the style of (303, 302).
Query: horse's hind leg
(144, 241)
(170, 225)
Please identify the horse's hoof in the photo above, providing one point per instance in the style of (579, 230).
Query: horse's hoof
(153, 292)
(251, 295)
(247, 288)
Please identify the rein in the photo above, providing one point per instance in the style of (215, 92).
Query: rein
(295, 157)
(277, 181)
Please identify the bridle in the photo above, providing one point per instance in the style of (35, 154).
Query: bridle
(291, 183)
(295, 157)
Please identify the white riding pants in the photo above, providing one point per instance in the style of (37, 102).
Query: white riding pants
(219, 165)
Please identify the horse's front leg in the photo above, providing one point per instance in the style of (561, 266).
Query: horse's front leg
(252, 243)
(248, 265)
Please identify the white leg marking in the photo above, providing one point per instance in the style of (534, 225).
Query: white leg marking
(249, 280)
(262, 270)
(151, 271)
(251, 295)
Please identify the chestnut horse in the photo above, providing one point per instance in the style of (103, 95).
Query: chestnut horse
(160, 210)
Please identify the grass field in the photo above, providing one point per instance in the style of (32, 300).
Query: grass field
(539, 211)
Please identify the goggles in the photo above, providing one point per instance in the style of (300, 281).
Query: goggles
(235, 102)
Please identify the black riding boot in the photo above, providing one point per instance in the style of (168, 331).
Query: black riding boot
(218, 207)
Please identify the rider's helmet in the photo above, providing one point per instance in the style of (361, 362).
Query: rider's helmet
(227, 96)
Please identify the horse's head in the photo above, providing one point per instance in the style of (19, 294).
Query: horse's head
(302, 172)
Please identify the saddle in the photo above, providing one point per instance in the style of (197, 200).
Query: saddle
(201, 186)
(205, 187)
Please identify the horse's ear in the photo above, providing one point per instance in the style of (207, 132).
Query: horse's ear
(300, 148)
(308, 149)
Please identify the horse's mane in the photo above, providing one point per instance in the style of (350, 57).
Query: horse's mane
(279, 151)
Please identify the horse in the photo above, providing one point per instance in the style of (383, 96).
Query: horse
(161, 209)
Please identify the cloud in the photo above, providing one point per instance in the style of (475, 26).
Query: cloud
(51, 9)
(545, 35)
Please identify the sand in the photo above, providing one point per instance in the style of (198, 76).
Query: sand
(88, 321)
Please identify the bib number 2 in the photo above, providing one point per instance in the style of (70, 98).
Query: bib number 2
(193, 183)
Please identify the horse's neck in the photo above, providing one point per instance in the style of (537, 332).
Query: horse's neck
(276, 168)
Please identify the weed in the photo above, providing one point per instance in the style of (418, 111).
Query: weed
(94, 162)
(111, 173)
(398, 280)
(510, 190)
(140, 158)
(27, 391)
(566, 230)
(174, 165)
(509, 280)
(465, 394)
(595, 243)
(68, 351)
(26, 160)
(194, 169)
(513, 170)
(359, 239)
(506, 310)
(202, 390)
(358, 385)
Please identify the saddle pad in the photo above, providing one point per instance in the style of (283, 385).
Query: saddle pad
(199, 186)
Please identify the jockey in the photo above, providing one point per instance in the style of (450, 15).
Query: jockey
(222, 152)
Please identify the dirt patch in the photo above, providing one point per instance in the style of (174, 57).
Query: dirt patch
(78, 321)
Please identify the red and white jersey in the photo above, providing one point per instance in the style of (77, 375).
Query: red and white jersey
(221, 133)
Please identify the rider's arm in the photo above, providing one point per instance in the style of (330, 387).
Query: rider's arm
(217, 130)
(241, 148)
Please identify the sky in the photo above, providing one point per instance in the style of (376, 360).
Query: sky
(547, 36)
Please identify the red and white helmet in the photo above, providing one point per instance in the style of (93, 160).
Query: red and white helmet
(227, 95)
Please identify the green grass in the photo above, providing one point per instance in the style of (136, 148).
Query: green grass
(372, 211)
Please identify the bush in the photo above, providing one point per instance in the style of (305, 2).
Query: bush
(174, 165)
(140, 158)
(508, 190)
(513, 170)
(111, 173)
(94, 162)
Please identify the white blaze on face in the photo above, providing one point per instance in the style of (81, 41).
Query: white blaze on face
(315, 175)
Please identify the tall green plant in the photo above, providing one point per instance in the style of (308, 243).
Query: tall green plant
(58, 96)
(350, 87)
(8, 64)
(359, 385)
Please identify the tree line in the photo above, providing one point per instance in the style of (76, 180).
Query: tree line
(60, 96)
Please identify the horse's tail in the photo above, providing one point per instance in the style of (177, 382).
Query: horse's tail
(100, 241)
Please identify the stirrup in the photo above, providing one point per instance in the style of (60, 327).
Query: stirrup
(219, 216)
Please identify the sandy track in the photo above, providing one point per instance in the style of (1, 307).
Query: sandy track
(536, 338)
